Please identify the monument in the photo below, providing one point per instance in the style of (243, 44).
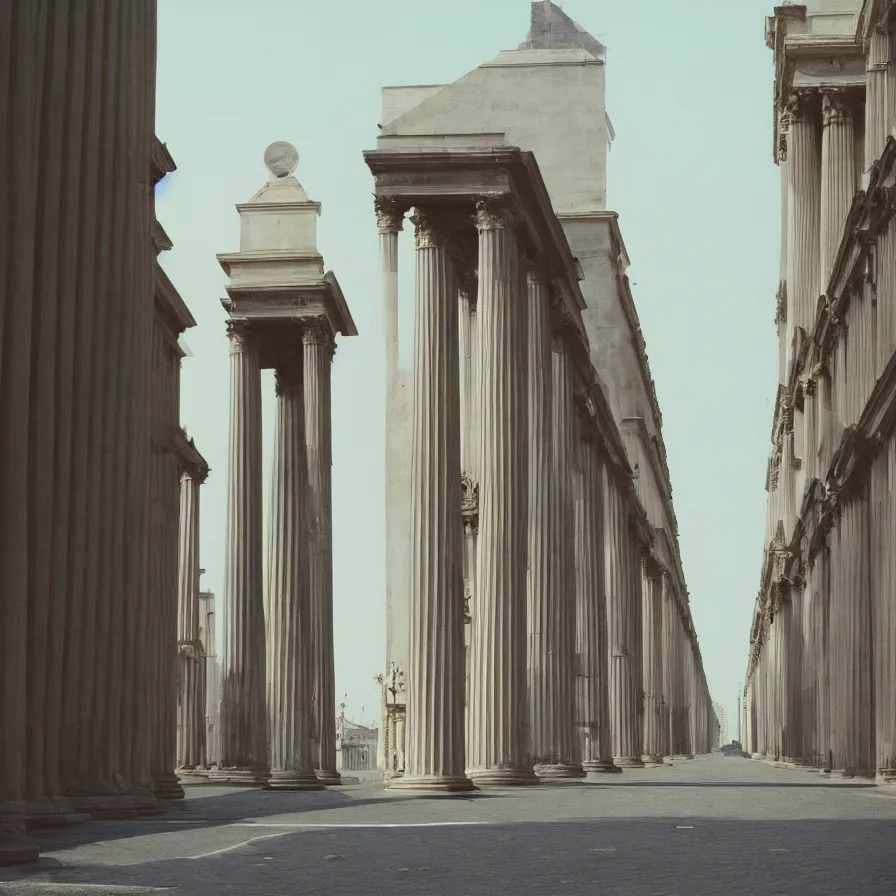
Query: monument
(277, 651)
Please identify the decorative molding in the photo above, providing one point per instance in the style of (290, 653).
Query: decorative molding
(389, 214)
(469, 504)
(494, 212)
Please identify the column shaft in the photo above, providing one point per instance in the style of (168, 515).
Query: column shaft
(21, 36)
(803, 203)
(191, 701)
(653, 670)
(244, 754)
(287, 604)
(498, 711)
(838, 167)
(318, 361)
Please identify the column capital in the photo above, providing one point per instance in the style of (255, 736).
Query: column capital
(319, 333)
(288, 378)
(494, 212)
(389, 214)
(240, 336)
(432, 230)
(799, 105)
(835, 107)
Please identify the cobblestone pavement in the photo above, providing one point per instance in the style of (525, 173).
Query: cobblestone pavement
(713, 825)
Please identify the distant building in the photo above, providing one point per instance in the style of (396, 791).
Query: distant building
(356, 746)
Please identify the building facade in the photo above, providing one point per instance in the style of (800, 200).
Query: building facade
(538, 618)
(821, 684)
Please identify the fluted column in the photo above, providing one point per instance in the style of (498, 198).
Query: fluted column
(884, 531)
(319, 347)
(20, 37)
(838, 176)
(670, 620)
(287, 600)
(653, 666)
(877, 108)
(622, 591)
(435, 683)
(543, 603)
(191, 699)
(498, 705)
(592, 710)
(803, 204)
(244, 754)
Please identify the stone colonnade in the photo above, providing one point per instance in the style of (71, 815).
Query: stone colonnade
(509, 447)
(820, 689)
(89, 372)
(268, 661)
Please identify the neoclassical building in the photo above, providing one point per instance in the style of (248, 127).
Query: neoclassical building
(538, 616)
(821, 681)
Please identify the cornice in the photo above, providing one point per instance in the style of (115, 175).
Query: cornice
(161, 162)
(175, 314)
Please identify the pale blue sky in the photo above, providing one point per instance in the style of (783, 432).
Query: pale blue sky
(690, 173)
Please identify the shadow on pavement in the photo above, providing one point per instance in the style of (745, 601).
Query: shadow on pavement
(669, 856)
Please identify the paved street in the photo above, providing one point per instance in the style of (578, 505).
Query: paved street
(710, 826)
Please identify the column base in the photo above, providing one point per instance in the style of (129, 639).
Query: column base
(44, 812)
(560, 771)
(328, 777)
(886, 776)
(240, 777)
(652, 761)
(432, 783)
(628, 761)
(503, 777)
(602, 767)
(167, 787)
(104, 806)
(294, 780)
(16, 847)
(145, 804)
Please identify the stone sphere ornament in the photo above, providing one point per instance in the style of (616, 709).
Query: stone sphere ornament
(281, 158)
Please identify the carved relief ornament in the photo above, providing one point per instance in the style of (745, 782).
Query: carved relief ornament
(240, 338)
(319, 333)
(834, 107)
(494, 213)
(430, 229)
(469, 504)
(389, 214)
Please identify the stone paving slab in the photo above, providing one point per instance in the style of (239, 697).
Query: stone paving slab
(714, 826)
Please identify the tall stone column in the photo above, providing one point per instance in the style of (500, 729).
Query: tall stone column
(804, 209)
(877, 107)
(652, 596)
(435, 708)
(622, 590)
(883, 527)
(591, 612)
(20, 38)
(670, 622)
(244, 754)
(319, 347)
(191, 699)
(552, 586)
(287, 604)
(838, 175)
(498, 711)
